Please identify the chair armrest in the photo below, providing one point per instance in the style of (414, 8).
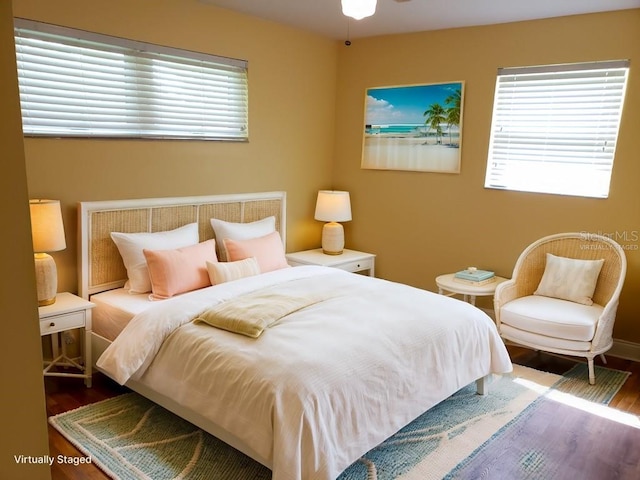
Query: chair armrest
(506, 292)
(603, 337)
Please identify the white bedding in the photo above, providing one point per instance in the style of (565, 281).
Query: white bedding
(114, 309)
(325, 384)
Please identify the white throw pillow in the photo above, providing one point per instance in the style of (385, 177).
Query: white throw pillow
(569, 279)
(240, 231)
(131, 246)
(221, 272)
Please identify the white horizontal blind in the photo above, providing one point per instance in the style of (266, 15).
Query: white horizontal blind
(554, 128)
(80, 84)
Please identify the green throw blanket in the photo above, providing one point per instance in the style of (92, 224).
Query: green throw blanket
(251, 314)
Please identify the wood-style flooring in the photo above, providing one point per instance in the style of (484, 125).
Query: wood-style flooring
(63, 394)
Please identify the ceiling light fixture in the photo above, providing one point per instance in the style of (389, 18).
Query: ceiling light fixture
(359, 9)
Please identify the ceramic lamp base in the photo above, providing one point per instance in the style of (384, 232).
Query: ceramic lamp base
(46, 279)
(332, 238)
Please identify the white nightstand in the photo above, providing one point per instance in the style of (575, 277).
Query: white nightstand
(349, 260)
(469, 292)
(67, 313)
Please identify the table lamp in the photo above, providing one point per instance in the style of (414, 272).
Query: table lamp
(47, 232)
(333, 206)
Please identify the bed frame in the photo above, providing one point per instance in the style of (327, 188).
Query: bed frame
(100, 266)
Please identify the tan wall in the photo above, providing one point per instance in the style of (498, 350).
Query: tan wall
(22, 409)
(419, 224)
(424, 224)
(292, 78)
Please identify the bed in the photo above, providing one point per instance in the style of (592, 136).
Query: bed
(354, 360)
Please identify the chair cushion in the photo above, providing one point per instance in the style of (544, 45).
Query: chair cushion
(552, 317)
(542, 342)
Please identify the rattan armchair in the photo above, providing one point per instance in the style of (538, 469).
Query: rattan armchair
(540, 328)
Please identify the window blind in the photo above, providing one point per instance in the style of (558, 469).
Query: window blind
(81, 84)
(554, 128)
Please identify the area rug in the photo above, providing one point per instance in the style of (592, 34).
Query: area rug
(525, 428)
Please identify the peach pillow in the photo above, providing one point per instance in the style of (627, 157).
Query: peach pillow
(180, 270)
(268, 251)
(240, 231)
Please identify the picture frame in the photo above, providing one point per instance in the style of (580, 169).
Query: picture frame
(414, 127)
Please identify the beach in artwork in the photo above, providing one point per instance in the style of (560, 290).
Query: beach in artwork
(413, 128)
(389, 152)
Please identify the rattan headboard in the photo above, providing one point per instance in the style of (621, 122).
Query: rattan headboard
(100, 266)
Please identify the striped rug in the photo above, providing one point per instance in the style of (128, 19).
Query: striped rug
(129, 437)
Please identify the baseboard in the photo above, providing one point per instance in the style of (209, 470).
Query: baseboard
(620, 349)
(626, 350)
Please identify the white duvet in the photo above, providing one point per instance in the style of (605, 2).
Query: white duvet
(323, 385)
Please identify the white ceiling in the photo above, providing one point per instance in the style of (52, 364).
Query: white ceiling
(402, 16)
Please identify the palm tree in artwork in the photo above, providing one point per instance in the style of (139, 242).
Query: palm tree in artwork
(453, 110)
(435, 116)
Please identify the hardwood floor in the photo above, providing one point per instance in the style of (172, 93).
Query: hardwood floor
(63, 394)
(627, 399)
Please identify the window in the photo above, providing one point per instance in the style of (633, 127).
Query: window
(554, 128)
(80, 84)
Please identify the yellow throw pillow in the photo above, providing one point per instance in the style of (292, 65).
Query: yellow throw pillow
(221, 272)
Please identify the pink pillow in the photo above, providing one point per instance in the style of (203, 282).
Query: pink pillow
(268, 251)
(180, 270)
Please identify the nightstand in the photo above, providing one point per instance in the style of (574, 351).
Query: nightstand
(350, 260)
(67, 313)
(469, 292)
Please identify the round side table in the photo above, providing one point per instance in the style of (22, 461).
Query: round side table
(449, 287)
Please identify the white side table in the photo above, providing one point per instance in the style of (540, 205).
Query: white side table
(350, 260)
(448, 286)
(67, 313)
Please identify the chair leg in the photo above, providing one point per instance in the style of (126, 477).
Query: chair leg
(592, 373)
(602, 357)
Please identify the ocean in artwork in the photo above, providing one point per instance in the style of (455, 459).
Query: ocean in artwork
(411, 130)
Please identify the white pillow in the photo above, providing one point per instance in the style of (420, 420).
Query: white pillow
(240, 231)
(569, 279)
(228, 271)
(131, 246)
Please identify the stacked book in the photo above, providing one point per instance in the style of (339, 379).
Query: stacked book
(473, 276)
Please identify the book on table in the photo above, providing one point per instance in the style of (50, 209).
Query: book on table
(474, 277)
(474, 282)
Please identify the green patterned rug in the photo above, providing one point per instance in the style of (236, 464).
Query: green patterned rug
(129, 437)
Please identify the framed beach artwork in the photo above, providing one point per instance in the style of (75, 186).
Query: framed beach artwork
(414, 127)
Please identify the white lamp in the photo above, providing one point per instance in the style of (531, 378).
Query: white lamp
(333, 206)
(359, 9)
(47, 232)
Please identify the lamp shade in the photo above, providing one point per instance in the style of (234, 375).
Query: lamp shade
(358, 9)
(47, 233)
(333, 206)
(47, 229)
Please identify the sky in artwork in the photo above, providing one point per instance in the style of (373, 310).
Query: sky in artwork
(405, 105)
